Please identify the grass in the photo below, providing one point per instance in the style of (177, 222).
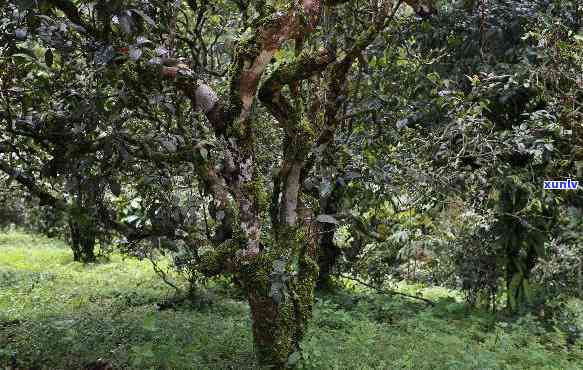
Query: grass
(59, 314)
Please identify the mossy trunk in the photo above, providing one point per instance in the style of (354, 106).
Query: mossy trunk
(277, 329)
(281, 302)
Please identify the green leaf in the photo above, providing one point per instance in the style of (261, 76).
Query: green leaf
(132, 218)
(24, 56)
(203, 153)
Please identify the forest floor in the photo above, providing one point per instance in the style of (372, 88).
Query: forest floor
(59, 314)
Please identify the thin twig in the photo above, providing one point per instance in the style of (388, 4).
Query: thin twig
(391, 292)
(162, 274)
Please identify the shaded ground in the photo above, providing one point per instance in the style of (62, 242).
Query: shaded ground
(59, 314)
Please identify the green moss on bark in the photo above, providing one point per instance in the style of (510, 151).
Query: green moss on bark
(255, 189)
(279, 324)
(218, 260)
(246, 51)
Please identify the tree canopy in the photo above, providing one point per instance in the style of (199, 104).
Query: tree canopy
(285, 143)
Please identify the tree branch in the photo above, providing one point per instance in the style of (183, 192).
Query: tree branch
(384, 291)
(29, 182)
(71, 12)
(301, 68)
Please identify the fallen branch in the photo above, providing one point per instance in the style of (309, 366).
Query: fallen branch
(384, 291)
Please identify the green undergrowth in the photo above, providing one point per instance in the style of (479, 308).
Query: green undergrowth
(59, 314)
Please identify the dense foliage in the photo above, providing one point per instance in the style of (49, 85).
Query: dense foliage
(282, 146)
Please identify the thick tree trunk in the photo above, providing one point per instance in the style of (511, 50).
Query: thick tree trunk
(88, 244)
(279, 282)
(74, 232)
(82, 241)
(277, 328)
(281, 296)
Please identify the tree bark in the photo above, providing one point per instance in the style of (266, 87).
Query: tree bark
(279, 283)
(82, 241)
(281, 302)
(83, 227)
